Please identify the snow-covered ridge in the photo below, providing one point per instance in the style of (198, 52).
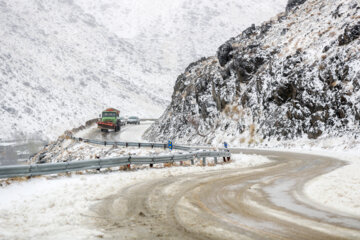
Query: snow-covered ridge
(296, 75)
(63, 62)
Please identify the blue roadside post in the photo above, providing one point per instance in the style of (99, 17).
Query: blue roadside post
(170, 145)
(226, 145)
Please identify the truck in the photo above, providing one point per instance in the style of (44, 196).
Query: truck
(109, 119)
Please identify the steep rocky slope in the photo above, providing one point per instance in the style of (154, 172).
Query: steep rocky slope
(63, 61)
(296, 75)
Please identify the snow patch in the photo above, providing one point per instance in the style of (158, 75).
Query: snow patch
(339, 189)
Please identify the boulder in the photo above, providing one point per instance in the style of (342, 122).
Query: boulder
(293, 3)
(223, 53)
(349, 35)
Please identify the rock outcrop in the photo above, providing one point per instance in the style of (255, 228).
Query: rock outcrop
(293, 3)
(296, 75)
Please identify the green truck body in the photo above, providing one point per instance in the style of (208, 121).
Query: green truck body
(110, 119)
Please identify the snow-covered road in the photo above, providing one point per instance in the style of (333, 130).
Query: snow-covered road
(129, 133)
(261, 194)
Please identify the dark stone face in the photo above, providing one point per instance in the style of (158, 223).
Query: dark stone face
(350, 34)
(223, 53)
(293, 3)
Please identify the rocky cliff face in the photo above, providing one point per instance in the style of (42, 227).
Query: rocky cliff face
(296, 75)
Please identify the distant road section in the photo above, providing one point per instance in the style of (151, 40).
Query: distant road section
(128, 133)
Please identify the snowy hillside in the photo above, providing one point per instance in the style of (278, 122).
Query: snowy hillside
(295, 76)
(178, 32)
(59, 67)
(62, 62)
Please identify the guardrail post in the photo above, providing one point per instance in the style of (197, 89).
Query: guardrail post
(181, 163)
(152, 164)
(67, 167)
(126, 144)
(204, 161)
(139, 145)
(30, 173)
(192, 161)
(129, 164)
(215, 160)
(227, 157)
(105, 143)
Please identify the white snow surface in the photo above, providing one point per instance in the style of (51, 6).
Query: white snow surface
(340, 189)
(63, 62)
(58, 208)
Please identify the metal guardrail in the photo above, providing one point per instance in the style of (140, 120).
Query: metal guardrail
(71, 166)
(132, 144)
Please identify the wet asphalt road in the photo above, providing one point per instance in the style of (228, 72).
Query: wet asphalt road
(264, 202)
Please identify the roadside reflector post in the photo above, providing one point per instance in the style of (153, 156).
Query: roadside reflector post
(204, 161)
(226, 159)
(170, 145)
(215, 160)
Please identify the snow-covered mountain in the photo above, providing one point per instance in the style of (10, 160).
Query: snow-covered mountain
(62, 62)
(178, 32)
(295, 75)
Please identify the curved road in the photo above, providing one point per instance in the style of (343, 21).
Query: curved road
(129, 133)
(265, 202)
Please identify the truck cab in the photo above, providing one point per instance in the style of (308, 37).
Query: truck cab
(110, 119)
